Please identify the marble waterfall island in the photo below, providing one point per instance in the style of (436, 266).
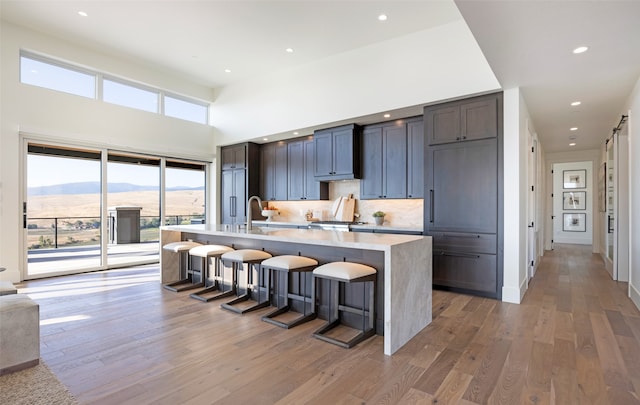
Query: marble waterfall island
(403, 262)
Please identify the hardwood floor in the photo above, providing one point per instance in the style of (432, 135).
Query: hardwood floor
(117, 337)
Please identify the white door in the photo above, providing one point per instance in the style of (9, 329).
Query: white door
(531, 206)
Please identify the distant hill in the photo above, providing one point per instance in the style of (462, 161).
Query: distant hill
(93, 187)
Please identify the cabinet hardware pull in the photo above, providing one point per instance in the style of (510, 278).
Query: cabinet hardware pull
(460, 255)
(431, 206)
(444, 235)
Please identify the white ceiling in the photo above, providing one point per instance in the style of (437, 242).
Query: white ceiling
(527, 44)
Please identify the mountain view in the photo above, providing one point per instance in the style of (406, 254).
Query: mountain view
(93, 187)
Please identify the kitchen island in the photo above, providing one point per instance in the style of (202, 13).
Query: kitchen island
(403, 263)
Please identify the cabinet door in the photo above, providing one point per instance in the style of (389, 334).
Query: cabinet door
(240, 195)
(462, 186)
(372, 164)
(343, 144)
(273, 176)
(234, 157)
(472, 272)
(479, 119)
(296, 170)
(227, 197)
(442, 124)
(394, 161)
(415, 159)
(313, 189)
(323, 147)
(267, 172)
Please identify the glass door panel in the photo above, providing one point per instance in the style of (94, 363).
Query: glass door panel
(133, 209)
(63, 210)
(610, 207)
(185, 193)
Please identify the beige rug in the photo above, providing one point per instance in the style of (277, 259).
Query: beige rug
(34, 386)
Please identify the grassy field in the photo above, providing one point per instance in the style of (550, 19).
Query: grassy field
(85, 208)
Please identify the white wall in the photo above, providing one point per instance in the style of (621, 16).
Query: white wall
(633, 106)
(424, 67)
(76, 120)
(560, 235)
(516, 116)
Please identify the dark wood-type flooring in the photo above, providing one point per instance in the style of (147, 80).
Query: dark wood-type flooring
(117, 337)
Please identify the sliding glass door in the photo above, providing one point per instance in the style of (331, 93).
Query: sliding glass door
(62, 213)
(91, 209)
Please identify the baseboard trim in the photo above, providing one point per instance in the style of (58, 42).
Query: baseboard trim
(514, 295)
(634, 294)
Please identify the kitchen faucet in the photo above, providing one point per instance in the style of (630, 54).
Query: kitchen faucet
(249, 219)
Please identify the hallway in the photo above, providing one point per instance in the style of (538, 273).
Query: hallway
(118, 337)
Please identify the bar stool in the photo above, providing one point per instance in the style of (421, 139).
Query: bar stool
(346, 272)
(237, 259)
(284, 265)
(185, 272)
(206, 253)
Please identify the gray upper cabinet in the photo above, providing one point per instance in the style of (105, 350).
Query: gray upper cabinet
(415, 158)
(463, 120)
(337, 153)
(234, 157)
(302, 182)
(384, 165)
(274, 171)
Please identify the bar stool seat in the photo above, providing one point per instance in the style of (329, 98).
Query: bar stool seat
(206, 252)
(237, 259)
(185, 282)
(346, 272)
(289, 264)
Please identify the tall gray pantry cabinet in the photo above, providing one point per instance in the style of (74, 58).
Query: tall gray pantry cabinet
(239, 181)
(463, 202)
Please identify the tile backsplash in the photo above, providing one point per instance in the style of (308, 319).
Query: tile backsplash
(401, 213)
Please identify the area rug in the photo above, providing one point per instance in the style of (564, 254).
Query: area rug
(34, 386)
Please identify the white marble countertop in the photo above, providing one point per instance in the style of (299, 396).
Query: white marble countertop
(370, 241)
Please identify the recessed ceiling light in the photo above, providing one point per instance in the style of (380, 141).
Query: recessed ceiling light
(289, 50)
(581, 49)
(295, 133)
(387, 115)
(382, 17)
(573, 129)
(83, 13)
(575, 103)
(265, 139)
(227, 70)
(572, 144)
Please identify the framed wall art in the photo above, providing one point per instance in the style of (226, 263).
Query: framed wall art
(574, 222)
(574, 200)
(574, 178)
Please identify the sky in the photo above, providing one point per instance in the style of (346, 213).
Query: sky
(48, 171)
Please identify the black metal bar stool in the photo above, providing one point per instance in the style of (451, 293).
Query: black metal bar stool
(283, 266)
(186, 280)
(345, 273)
(237, 259)
(206, 253)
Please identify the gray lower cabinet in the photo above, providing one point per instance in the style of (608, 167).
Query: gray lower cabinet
(463, 210)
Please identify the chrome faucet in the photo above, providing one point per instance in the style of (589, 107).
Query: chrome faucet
(249, 219)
